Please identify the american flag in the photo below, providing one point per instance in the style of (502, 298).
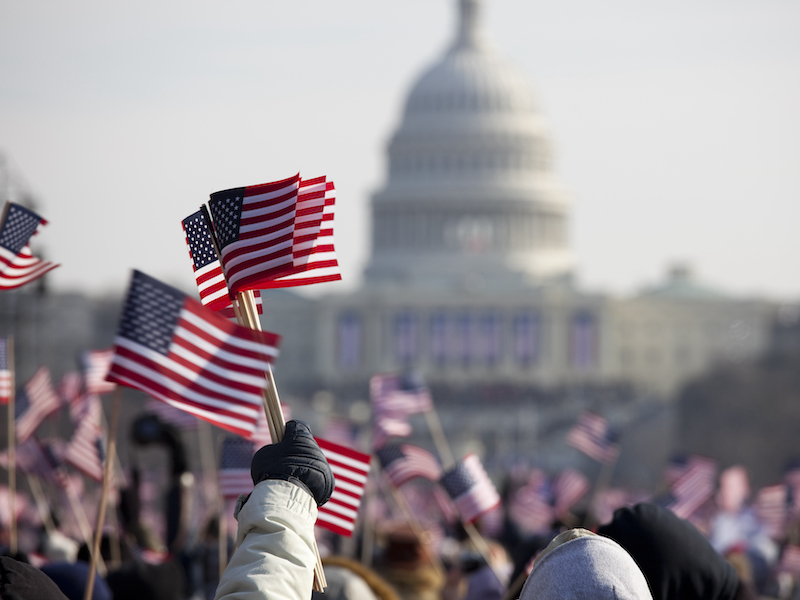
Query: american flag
(18, 266)
(207, 272)
(387, 426)
(772, 509)
(313, 255)
(694, 487)
(96, 364)
(234, 467)
(403, 462)
(592, 436)
(530, 506)
(255, 229)
(86, 450)
(69, 388)
(350, 471)
(5, 373)
(470, 488)
(38, 459)
(173, 349)
(569, 487)
(34, 403)
(399, 394)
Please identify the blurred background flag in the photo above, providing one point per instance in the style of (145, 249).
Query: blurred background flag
(172, 348)
(403, 462)
(350, 472)
(399, 394)
(470, 488)
(694, 487)
(18, 266)
(593, 436)
(255, 229)
(569, 486)
(33, 403)
(96, 364)
(234, 467)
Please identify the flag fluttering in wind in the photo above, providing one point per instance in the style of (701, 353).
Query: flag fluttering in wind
(470, 488)
(350, 470)
(33, 403)
(234, 467)
(18, 266)
(394, 397)
(39, 459)
(277, 234)
(530, 506)
(208, 274)
(175, 350)
(5, 373)
(313, 254)
(694, 487)
(593, 436)
(96, 364)
(403, 462)
(569, 486)
(86, 450)
(255, 230)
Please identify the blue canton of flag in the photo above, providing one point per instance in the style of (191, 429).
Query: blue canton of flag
(19, 226)
(234, 472)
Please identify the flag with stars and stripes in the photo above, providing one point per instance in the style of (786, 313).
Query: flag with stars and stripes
(208, 274)
(470, 488)
(350, 471)
(313, 255)
(399, 394)
(173, 349)
(593, 436)
(403, 462)
(96, 364)
(234, 467)
(694, 487)
(5, 373)
(569, 486)
(33, 403)
(255, 230)
(86, 450)
(18, 266)
(40, 459)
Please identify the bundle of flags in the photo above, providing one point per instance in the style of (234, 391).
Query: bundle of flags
(277, 234)
(18, 266)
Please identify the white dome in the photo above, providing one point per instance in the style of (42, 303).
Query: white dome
(470, 191)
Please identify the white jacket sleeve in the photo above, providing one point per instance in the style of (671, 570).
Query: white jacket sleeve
(275, 557)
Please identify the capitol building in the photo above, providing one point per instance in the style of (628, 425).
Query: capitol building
(470, 279)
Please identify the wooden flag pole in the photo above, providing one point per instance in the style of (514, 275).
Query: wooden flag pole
(439, 439)
(83, 523)
(12, 443)
(41, 503)
(101, 510)
(222, 539)
(244, 306)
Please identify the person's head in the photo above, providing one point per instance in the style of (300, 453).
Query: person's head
(579, 564)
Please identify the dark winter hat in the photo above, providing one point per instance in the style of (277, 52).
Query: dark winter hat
(21, 581)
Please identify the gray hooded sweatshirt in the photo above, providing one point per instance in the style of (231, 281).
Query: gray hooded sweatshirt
(587, 567)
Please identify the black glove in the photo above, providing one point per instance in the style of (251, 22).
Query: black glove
(296, 458)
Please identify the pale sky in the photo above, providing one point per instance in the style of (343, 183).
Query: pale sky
(676, 124)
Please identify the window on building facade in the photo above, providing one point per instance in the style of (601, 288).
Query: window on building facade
(527, 335)
(583, 340)
(349, 340)
(406, 337)
(438, 338)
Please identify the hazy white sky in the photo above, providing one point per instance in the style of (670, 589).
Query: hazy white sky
(677, 124)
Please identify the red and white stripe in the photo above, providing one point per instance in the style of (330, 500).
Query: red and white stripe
(350, 471)
(18, 269)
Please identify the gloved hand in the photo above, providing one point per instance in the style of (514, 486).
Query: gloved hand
(296, 458)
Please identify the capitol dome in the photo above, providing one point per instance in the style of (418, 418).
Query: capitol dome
(469, 195)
